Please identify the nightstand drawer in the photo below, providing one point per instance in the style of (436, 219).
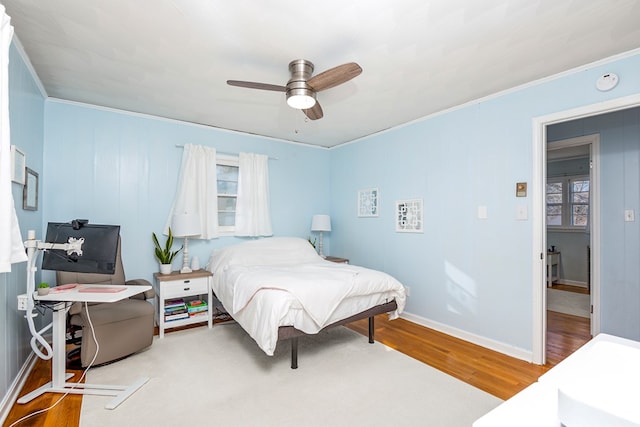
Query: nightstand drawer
(180, 288)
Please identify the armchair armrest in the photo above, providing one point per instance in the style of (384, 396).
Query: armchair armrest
(76, 308)
(141, 282)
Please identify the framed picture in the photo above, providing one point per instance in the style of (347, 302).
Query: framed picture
(18, 165)
(30, 191)
(409, 216)
(368, 202)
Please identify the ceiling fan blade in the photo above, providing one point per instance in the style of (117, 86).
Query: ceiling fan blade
(334, 76)
(254, 85)
(315, 112)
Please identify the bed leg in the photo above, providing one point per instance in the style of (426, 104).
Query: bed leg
(371, 330)
(294, 353)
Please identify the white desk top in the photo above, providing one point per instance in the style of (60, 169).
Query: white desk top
(605, 356)
(79, 293)
(535, 406)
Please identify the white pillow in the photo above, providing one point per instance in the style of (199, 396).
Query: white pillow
(267, 251)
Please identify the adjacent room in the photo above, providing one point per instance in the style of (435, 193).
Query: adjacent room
(474, 165)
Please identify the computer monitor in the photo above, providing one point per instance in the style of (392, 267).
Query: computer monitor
(99, 250)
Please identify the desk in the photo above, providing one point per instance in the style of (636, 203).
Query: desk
(553, 260)
(58, 384)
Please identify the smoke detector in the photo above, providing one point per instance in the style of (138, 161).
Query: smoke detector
(607, 82)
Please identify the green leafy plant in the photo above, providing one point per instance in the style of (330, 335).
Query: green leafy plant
(43, 285)
(165, 255)
(312, 243)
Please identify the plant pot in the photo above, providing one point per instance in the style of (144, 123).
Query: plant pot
(165, 268)
(43, 291)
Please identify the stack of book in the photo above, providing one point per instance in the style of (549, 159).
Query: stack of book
(197, 307)
(175, 309)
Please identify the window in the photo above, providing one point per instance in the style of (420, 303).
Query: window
(568, 202)
(227, 169)
(579, 202)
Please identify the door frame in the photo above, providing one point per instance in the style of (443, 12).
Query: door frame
(593, 141)
(539, 240)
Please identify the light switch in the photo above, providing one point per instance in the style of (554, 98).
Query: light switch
(522, 213)
(629, 215)
(482, 212)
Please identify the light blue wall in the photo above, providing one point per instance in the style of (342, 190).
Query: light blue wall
(116, 168)
(620, 190)
(26, 106)
(466, 273)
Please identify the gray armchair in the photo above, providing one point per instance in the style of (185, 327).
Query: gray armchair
(121, 328)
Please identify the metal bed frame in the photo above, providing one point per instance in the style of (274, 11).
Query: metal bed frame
(291, 333)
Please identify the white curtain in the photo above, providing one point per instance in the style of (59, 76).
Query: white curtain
(253, 216)
(11, 245)
(197, 191)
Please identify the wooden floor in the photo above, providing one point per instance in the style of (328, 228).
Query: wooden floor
(493, 372)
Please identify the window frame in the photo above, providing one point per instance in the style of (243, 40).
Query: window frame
(568, 204)
(233, 161)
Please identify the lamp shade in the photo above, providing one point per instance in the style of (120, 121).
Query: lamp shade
(183, 225)
(321, 223)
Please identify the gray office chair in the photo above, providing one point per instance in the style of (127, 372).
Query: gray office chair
(121, 328)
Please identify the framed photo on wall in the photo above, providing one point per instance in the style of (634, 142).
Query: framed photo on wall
(18, 165)
(409, 216)
(368, 201)
(30, 191)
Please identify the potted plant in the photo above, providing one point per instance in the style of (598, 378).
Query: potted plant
(312, 242)
(165, 255)
(43, 288)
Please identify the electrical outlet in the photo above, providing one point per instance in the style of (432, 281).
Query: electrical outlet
(22, 302)
(407, 290)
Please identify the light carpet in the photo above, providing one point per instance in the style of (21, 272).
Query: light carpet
(568, 302)
(220, 377)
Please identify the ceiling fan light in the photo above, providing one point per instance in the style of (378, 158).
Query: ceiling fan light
(301, 102)
(301, 99)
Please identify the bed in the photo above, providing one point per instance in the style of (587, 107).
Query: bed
(279, 288)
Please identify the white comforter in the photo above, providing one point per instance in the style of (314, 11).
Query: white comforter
(318, 287)
(309, 294)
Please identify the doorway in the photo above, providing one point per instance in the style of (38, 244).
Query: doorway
(539, 240)
(570, 201)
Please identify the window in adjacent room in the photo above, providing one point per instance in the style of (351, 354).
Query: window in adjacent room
(227, 176)
(568, 202)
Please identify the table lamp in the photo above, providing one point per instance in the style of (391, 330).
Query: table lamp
(185, 225)
(321, 223)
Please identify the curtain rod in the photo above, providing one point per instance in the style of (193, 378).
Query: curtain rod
(228, 154)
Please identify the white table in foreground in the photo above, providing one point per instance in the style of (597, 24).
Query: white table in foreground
(606, 366)
(58, 383)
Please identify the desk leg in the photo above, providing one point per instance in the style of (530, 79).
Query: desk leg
(59, 375)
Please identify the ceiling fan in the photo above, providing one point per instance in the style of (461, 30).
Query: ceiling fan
(301, 88)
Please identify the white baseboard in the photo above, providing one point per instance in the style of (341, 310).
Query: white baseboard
(500, 347)
(15, 388)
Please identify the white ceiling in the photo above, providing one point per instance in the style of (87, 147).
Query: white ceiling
(171, 58)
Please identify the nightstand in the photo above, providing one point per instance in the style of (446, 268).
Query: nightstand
(553, 260)
(182, 286)
(337, 259)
